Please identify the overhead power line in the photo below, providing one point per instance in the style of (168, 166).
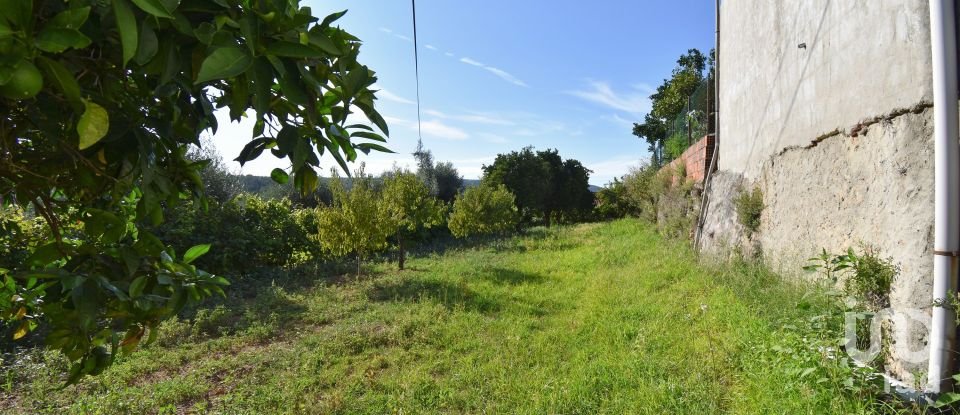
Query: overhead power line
(416, 70)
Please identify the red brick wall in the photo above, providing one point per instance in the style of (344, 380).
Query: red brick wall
(696, 159)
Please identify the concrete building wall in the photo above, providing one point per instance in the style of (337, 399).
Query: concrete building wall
(837, 135)
(862, 59)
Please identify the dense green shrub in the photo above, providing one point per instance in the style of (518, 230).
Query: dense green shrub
(483, 210)
(675, 145)
(357, 223)
(749, 206)
(611, 201)
(245, 233)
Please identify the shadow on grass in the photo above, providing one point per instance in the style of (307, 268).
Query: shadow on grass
(505, 276)
(450, 295)
(518, 242)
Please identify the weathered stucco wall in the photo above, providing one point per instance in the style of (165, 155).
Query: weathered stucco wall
(862, 59)
(837, 135)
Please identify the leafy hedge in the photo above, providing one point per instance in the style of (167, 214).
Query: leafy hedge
(245, 233)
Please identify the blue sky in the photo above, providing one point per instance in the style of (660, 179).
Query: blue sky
(498, 75)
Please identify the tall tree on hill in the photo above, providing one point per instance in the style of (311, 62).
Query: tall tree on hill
(670, 99)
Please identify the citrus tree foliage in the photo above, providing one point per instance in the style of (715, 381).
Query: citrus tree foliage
(100, 100)
(410, 204)
(483, 210)
(526, 175)
(358, 222)
(544, 184)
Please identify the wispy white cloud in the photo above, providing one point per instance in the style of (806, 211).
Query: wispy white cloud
(472, 118)
(449, 54)
(617, 119)
(634, 101)
(506, 76)
(440, 130)
(494, 138)
(390, 96)
(396, 35)
(433, 128)
(429, 46)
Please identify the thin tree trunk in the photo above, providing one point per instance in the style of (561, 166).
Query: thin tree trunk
(402, 257)
(358, 264)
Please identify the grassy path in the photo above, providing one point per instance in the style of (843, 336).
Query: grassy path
(598, 318)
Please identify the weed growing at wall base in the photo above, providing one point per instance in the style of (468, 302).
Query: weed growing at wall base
(749, 206)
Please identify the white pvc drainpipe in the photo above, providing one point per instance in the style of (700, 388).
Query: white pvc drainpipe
(947, 190)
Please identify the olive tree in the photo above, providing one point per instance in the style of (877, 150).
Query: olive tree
(483, 210)
(99, 102)
(358, 222)
(409, 201)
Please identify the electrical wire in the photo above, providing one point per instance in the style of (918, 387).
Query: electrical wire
(416, 71)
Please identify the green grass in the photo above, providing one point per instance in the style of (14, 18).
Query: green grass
(597, 318)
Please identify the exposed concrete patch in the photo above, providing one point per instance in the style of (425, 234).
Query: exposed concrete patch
(723, 237)
(868, 184)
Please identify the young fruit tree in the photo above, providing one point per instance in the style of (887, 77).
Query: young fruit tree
(483, 210)
(358, 222)
(100, 102)
(409, 201)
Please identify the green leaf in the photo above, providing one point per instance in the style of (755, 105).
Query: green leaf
(323, 42)
(359, 126)
(93, 124)
(60, 77)
(374, 117)
(147, 45)
(250, 28)
(279, 176)
(947, 399)
(366, 147)
(44, 255)
(224, 63)
(369, 135)
(306, 180)
(252, 150)
(70, 18)
(332, 18)
(57, 40)
(17, 12)
(157, 8)
(195, 252)
(292, 88)
(5, 30)
(293, 50)
(127, 25)
(137, 286)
